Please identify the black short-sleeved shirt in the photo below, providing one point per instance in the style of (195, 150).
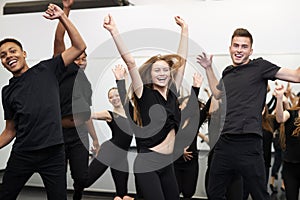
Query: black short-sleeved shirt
(75, 92)
(165, 116)
(121, 132)
(245, 89)
(32, 102)
(292, 152)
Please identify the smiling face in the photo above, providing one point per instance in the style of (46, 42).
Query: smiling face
(13, 58)
(160, 73)
(114, 98)
(240, 50)
(81, 61)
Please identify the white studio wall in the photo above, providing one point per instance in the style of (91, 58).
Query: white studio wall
(151, 29)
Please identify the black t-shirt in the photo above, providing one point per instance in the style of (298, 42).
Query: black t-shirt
(75, 93)
(32, 102)
(165, 116)
(245, 89)
(121, 131)
(292, 151)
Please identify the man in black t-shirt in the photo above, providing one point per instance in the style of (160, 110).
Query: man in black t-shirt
(243, 88)
(75, 102)
(32, 113)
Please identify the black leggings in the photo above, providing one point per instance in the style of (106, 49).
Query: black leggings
(118, 163)
(155, 176)
(277, 158)
(291, 175)
(187, 177)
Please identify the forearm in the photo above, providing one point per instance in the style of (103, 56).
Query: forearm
(77, 41)
(91, 129)
(203, 137)
(183, 44)
(279, 110)
(213, 82)
(59, 44)
(182, 52)
(6, 137)
(123, 51)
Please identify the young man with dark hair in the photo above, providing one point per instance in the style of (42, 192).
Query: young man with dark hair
(243, 89)
(32, 113)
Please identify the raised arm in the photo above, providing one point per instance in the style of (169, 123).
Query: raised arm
(206, 62)
(281, 114)
(137, 83)
(8, 134)
(59, 44)
(182, 50)
(291, 75)
(78, 45)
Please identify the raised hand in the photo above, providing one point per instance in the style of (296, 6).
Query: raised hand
(197, 80)
(53, 12)
(279, 90)
(119, 72)
(109, 23)
(180, 22)
(204, 60)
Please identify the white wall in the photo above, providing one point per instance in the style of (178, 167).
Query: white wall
(273, 24)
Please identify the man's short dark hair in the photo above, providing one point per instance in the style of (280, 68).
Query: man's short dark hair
(11, 40)
(241, 32)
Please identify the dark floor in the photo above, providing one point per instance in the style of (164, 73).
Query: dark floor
(33, 193)
(37, 193)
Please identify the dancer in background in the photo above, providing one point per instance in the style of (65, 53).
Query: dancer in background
(113, 152)
(75, 102)
(187, 165)
(290, 144)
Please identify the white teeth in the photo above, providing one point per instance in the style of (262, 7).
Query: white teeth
(12, 62)
(161, 79)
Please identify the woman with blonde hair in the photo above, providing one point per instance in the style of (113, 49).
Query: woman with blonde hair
(155, 88)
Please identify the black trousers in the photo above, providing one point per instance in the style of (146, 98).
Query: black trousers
(238, 154)
(291, 176)
(77, 156)
(234, 190)
(277, 158)
(187, 177)
(48, 162)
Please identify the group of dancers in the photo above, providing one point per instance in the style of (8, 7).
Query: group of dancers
(47, 112)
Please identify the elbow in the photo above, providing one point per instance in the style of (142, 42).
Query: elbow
(279, 119)
(130, 64)
(217, 95)
(82, 47)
